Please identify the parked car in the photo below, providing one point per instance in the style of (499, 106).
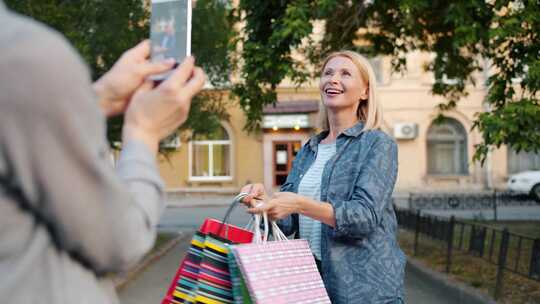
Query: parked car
(526, 182)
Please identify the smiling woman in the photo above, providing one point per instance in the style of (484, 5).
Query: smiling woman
(338, 193)
(349, 76)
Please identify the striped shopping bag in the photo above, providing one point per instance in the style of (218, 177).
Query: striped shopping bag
(203, 275)
(279, 272)
(214, 280)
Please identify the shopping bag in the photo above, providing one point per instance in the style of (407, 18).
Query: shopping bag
(209, 242)
(281, 271)
(240, 291)
(214, 281)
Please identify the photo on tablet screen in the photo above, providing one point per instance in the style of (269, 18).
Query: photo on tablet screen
(170, 31)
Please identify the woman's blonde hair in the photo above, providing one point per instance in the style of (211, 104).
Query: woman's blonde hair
(369, 111)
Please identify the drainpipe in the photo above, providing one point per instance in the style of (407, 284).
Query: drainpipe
(489, 171)
(487, 107)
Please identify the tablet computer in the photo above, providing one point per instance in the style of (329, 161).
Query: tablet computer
(170, 31)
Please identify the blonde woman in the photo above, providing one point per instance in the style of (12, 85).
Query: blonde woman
(338, 193)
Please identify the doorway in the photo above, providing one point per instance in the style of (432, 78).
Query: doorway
(284, 153)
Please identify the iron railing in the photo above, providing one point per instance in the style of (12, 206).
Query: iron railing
(519, 254)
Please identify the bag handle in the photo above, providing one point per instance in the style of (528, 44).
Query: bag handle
(235, 202)
(257, 237)
(276, 232)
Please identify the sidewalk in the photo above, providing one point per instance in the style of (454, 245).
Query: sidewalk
(198, 200)
(151, 284)
(521, 213)
(201, 199)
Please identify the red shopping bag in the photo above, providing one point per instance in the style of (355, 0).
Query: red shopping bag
(186, 280)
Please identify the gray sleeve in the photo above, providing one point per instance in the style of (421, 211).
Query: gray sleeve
(53, 136)
(137, 167)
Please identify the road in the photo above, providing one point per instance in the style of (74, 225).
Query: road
(152, 283)
(175, 219)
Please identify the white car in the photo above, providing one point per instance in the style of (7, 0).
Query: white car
(526, 182)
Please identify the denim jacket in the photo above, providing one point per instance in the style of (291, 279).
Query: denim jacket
(361, 259)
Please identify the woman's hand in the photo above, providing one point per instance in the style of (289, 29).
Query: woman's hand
(154, 113)
(116, 87)
(256, 193)
(280, 205)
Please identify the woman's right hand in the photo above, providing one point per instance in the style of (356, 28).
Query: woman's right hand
(256, 192)
(154, 113)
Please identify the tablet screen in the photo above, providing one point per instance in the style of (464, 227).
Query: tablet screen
(170, 31)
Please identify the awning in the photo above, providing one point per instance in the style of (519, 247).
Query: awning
(292, 106)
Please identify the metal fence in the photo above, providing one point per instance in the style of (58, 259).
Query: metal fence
(519, 254)
(469, 201)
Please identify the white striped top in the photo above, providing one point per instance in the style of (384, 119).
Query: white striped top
(310, 186)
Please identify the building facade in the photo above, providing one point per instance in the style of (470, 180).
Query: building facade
(432, 157)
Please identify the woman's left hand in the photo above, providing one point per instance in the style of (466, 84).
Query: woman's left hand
(280, 205)
(116, 87)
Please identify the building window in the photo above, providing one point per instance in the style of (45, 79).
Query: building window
(170, 142)
(210, 156)
(447, 148)
(523, 161)
(377, 65)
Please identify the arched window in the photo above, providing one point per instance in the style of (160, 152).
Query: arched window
(447, 148)
(210, 156)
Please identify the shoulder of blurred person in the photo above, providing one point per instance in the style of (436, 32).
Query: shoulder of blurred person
(43, 75)
(37, 61)
(41, 79)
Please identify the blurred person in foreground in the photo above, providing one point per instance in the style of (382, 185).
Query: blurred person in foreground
(67, 219)
(338, 192)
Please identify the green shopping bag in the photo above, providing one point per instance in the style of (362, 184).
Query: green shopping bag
(239, 288)
(240, 291)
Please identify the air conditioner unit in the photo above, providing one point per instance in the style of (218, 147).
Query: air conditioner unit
(171, 142)
(405, 130)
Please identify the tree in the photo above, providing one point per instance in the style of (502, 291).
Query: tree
(463, 36)
(272, 29)
(101, 32)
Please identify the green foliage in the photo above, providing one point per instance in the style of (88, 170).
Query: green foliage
(210, 44)
(272, 30)
(211, 40)
(517, 123)
(496, 37)
(102, 30)
(499, 37)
